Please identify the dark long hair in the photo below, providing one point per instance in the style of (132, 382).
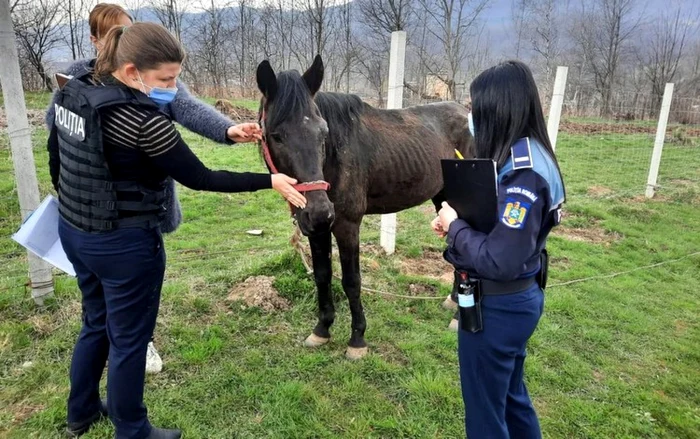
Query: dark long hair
(506, 107)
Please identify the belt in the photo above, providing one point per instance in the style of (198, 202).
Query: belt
(493, 288)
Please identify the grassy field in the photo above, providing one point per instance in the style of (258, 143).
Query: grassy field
(612, 358)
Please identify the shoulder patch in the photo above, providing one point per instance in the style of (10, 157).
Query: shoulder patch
(515, 213)
(522, 191)
(521, 155)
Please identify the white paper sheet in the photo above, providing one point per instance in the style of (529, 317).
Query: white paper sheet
(39, 235)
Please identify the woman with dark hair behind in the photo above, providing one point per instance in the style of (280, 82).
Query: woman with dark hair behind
(508, 264)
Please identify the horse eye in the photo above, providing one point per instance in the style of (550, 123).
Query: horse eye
(276, 137)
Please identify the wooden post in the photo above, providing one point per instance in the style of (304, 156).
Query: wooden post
(394, 101)
(40, 275)
(556, 104)
(659, 141)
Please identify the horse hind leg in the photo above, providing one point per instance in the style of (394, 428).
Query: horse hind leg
(347, 235)
(323, 272)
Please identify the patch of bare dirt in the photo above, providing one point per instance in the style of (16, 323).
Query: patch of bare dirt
(431, 265)
(422, 290)
(372, 250)
(571, 127)
(657, 197)
(35, 117)
(22, 412)
(559, 262)
(595, 235)
(235, 112)
(682, 182)
(598, 375)
(45, 323)
(390, 353)
(599, 191)
(680, 326)
(257, 291)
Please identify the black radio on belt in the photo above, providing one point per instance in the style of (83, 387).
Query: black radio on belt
(469, 301)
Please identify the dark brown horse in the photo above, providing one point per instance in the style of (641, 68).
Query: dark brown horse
(376, 161)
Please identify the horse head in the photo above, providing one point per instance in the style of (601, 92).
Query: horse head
(294, 138)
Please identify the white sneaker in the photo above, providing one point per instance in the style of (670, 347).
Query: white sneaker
(153, 362)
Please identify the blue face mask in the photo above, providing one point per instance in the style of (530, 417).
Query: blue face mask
(472, 130)
(159, 95)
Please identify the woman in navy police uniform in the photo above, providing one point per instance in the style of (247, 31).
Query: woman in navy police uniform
(508, 127)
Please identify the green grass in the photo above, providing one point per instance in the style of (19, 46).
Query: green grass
(34, 100)
(615, 357)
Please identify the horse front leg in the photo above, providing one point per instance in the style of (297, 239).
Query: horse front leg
(347, 234)
(323, 272)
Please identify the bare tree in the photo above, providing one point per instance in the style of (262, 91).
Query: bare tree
(271, 43)
(379, 19)
(37, 32)
(321, 20)
(282, 17)
(207, 41)
(75, 13)
(518, 14)
(344, 47)
(454, 22)
(606, 42)
(170, 14)
(373, 66)
(135, 8)
(541, 24)
(244, 48)
(386, 16)
(665, 47)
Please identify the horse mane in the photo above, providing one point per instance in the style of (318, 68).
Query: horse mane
(342, 113)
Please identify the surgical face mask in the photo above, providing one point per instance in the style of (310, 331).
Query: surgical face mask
(159, 95)
(472, 130)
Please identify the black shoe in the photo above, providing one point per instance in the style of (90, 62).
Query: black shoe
(162, 433)
(75, 429)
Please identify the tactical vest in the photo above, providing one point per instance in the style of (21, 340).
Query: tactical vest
(89, 198)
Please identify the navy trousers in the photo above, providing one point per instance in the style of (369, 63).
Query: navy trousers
(120, 275)
(491, 361)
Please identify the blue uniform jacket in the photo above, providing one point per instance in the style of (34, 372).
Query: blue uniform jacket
(530, 195)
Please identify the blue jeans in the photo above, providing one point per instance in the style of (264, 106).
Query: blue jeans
(496, 401)
(120, 274)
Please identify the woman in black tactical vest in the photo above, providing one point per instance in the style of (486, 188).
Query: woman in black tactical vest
(184, 109)
(111, 151)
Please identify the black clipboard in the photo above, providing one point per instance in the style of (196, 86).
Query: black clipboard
(471, 188)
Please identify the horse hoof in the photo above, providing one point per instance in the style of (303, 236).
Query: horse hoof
(454, 324)
(314, 341)
(355, 353)
(449, 304)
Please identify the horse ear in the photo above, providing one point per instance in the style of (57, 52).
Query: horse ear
(314, 76)
(267, 80)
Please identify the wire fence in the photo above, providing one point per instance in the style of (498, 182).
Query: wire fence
(611, 155)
